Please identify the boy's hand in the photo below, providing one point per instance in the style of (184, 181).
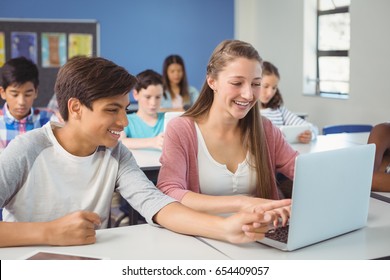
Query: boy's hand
(77, 228)
(158, 141)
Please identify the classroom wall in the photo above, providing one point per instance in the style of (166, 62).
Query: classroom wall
(275, 28)
(139, 34)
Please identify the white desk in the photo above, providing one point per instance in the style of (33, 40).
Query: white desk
(332, 142)
(147, 158)
(149, 162)
(383, 196)
(357, 137)
(386, 194)
(367, 243)
(140, 242)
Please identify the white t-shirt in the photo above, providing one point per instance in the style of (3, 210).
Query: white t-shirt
(41, 181)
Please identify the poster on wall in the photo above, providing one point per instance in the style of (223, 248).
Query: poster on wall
(53, 49)
(2, 49)
(24, 44)
(80, 44)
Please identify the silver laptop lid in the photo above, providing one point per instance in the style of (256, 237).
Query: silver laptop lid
(330, 194)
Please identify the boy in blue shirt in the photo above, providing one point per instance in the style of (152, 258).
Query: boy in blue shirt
(145, 129)
(19, 88)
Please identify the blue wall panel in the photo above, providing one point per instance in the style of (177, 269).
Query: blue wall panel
(139, 34)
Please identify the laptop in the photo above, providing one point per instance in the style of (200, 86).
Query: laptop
(169, 116)
(291, 132)
(331, 193)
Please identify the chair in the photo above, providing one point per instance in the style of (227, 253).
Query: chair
(347, 128)
(129, 212)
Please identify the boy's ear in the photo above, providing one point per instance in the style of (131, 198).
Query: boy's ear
(2, 92)
(74, 108)
(36, 93)
(135, 94)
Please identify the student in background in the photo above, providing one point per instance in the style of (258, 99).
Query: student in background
(57, 182)
(19, 88)
(53, 105)
(178, 94)
(221, 156)
(145, 128)
(380, 136)
(271, 103)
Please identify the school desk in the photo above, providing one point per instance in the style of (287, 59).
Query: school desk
(332, 142)
(369, 242)
(148, 159)
(149, 162)
(140, 242)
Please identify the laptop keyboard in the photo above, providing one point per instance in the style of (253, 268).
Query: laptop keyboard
(279, 234)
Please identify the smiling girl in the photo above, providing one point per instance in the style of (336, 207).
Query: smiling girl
(221, 155)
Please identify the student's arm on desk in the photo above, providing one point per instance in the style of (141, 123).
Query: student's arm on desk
(143, 143)
(77, 228)
(214, 204)
(242, 227)
(380, 136)
(164, 110)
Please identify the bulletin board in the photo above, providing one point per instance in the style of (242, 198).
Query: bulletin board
(48, 43)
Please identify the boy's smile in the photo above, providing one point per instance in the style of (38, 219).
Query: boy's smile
(103, 124)
(87, 129)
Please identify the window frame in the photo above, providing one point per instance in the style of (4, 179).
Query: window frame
(332, 53)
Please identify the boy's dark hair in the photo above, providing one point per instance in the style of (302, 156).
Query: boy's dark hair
(89, 79)
(19, 71)
(147, 78)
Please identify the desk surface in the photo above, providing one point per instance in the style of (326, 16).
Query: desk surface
(367, 243)
(140, 242)
(332, 142)
(386, 194)
(147, 159)
(148, 242)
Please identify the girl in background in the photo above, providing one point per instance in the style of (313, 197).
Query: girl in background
(271, 103)
(178, 94)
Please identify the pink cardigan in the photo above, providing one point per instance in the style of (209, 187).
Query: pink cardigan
(179, 171)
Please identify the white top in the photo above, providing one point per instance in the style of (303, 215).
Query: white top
(41, 181)
(216, 179)
(177, 102)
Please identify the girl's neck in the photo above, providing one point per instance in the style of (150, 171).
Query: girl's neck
(175, 88)
(219, 122)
